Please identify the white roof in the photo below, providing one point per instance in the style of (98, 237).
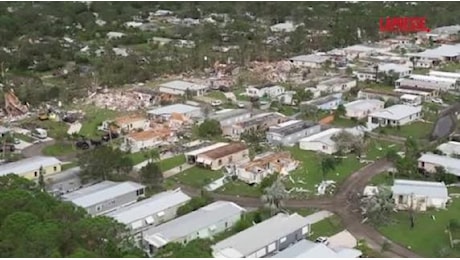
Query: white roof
(439, 52)
(397, 112)
(310, 58)
(176, 108)
(449, 148)
(409, 97)
(323, 137)
(193, 222)
(444, 74)
(182, 85)
(309, 249)
(363, 104)
(205, 149)
(397, 68)
(452, 165)
(360, 48)
(261, 235)
(432, 78)
(420, 188)
(149, 207)
(88, 197)
(28, 165)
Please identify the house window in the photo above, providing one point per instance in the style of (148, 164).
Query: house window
(140, 192)
(35, 174)
(98, 208)
(400, 198)
(55, 168)
(219, 162)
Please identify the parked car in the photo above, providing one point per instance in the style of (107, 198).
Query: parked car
(107, 136)
(241, 105)
(322, 240)
(437, 101)
(216, 103)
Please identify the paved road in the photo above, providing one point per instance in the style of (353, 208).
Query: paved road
(341, 204)
(37, 148)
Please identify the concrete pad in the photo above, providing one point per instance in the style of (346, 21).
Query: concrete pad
(318, 216)
(342, 239)
(22, 145)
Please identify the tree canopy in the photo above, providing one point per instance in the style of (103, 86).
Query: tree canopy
(34, 224)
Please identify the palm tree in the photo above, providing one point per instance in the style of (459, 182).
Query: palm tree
(274, 195)
(112, 125)
(41, 178)
(152, 155)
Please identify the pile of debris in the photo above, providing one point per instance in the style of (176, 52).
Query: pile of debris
(129, 100)
(13, 106)
(272, 72)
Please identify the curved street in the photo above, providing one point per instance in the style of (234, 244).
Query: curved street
(341, 203)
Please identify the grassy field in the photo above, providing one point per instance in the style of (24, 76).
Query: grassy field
(377, 149)
(172, 162)
(418, 130)
(59, 149)
(216, 94)
(54, 129)
(68, 166)
(310, 173)
(428, 236)
(240, 188)
(195, 177)
(93, 118)
(382, 179)
(344, 122)
(138, 157)
(326, 227)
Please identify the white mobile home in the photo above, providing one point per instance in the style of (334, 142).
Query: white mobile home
(361, 108)
(106, 196)
(419, 195)
(153, 211)
(267, 237)
(202, 223)
(397, 115)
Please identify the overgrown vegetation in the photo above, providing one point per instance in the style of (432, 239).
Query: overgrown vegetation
(33, 225)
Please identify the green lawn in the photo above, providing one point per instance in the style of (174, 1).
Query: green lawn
(93, 118)
(309, 171)
(68, 166)
(377, 149)
(303, 212)
(59, 149)
(418, 130)
(216, 94)
(326, 227)
(240, 188)
(138, 157)
(196, 177)
(382, 179)
(172, 162)
(428, 236)
(344, 122)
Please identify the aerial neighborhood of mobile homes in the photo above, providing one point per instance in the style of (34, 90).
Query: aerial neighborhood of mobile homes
(235, 142)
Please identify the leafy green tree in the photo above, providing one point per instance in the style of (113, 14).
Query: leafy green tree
(52, 228)
(340, 111)
(328, 164)
(104, 161)
(209, 128)
(151, 175)
(41, 178)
